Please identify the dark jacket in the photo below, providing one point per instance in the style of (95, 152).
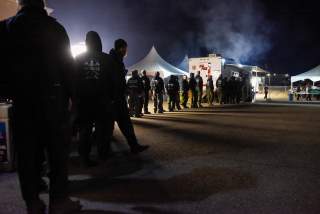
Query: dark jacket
(95, 77)
(41, 65)
(119, 73)
(4, 69)
(199, 81)
(185, 86)
(146, 83)
(171, 86)
(135, 86)
(210, 84)
(158, 85)
(192, 84)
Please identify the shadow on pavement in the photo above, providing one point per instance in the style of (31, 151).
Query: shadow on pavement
(194, 186)
(119, 164)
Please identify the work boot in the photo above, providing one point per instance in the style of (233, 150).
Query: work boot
(147, 112)
(138, 149)
(66, 206)
(36, 207)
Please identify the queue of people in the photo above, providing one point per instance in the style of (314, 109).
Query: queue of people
(140, 88)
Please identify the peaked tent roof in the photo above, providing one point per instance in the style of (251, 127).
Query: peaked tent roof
(153, 62)
(9, 8)
(313, 74)
(184, 65)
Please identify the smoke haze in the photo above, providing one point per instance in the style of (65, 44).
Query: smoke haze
(283, 34)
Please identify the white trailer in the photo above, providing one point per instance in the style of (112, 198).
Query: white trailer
(211, 65)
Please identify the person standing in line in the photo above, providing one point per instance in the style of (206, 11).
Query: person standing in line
(158, 92)
(135, 91)
(120, 106)
(177, 88)
(41, 121)
(210, 90)
(308, 89)
(93, 95)
(298, 92)
(185, 91)
(194, 94)
(171, 93)
(146, 87)
(199, 89)
(266, 92)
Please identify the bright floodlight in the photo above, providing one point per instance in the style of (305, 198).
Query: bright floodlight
(240, 65)
(78, 49)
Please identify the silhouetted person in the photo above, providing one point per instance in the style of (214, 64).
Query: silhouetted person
(210, 90)
(185, 91)
(171, 91)
(308, 88)
(177, 87)
(120, 106)
(42, 71)
(298, 92)
(94, 90)
(266, 92)
(219, 90)
(225, 90)
(146, 87)
(194, 94)
(232, 90)
(135, 91)
(199, 88)
(158, 92)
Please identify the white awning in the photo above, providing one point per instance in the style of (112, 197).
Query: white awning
(313, 75)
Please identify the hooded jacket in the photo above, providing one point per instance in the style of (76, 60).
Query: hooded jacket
(40, 63)
(95, 81)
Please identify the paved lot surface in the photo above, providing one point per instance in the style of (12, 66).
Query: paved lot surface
(246, 159)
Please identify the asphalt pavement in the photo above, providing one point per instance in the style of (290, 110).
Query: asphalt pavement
(233, 159)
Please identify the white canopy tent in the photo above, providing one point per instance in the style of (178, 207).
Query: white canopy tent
(184, 65)
(153, 62)
(313, 75)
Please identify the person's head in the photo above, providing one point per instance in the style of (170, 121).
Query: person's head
(158, 74)
(191, 75)
(185, 77)
(144, 73)
(93, 42)
(121, 47)
(198, 73)
(210, 77)
(172, 77)
(135, 73)
(31, 3)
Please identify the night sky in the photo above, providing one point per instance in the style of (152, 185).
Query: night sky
(282, 36)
